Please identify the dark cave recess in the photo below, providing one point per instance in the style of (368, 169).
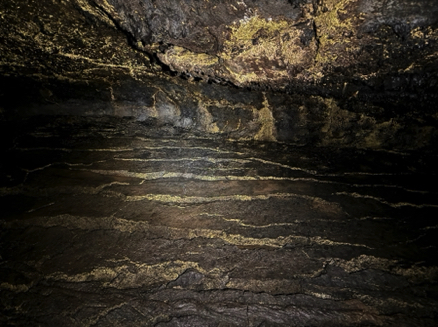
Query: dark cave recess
(217, 111)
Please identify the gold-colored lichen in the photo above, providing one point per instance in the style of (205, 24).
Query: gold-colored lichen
(256, 49)
(330, 28)
(266, 132)
(247, 30)
(189, 62)
(260, 49)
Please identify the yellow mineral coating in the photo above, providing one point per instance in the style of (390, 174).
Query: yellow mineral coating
(85, 5)
(368, 261)
(257, 285)
(122, 276)
(247, 30)
(20, 288)
(428, 34)
(266, 132)
(329, 20)
(257, 50)
(206, 120)
(330, 28)
(260, 50)
(239, 76)
(192, 58)
(183, 60)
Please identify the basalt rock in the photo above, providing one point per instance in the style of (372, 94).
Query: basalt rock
(334, 72)
(218, 163)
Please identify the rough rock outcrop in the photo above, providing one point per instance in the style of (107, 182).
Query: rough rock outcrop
(345, 72)
(106, 223)
(218, 163)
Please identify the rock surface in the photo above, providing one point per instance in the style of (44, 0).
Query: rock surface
(107, 223)
(266, 43)
(218, 163)
(373, 62)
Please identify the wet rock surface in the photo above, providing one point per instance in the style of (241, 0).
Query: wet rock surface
(107, 222)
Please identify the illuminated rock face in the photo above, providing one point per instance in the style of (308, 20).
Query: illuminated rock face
(106, 222)
(218, 163)
(344, 73)
(242, 42)
(278, 42)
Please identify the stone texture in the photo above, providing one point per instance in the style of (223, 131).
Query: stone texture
(368, 49)
(218, 163)
(346, 73)
(105, 224)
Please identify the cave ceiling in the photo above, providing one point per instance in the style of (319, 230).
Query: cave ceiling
(266, 44)
(163, 58)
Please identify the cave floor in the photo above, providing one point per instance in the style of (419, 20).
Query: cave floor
(106, 222)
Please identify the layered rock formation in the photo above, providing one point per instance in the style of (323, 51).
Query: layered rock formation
(105, 223)
(218, 163)
(350, 72)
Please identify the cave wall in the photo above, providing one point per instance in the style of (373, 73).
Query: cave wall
(333, 73)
